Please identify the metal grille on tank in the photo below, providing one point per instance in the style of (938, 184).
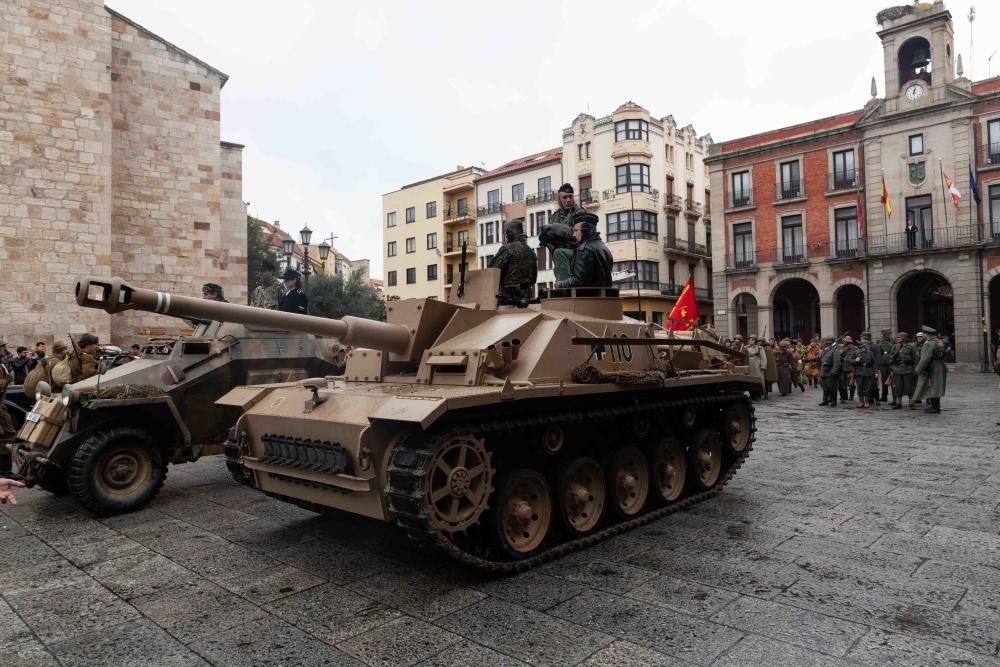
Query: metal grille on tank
(305, 454)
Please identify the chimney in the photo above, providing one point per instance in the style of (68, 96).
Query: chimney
(277, 223)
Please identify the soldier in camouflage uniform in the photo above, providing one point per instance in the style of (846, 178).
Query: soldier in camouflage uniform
(268, 292)
(863, 363)
(562, 258)
(902, 359)
(517, 262)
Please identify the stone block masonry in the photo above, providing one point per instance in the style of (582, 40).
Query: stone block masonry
(110, 163)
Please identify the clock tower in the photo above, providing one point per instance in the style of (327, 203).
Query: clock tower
(918, 47)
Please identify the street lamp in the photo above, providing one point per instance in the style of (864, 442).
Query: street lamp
(324, 250)
(305, 236)
(288, 244)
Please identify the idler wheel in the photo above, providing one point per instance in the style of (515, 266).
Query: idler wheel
(704, 459)
(628, 481)
(581, 495)
(522, 512)
(669, 468)
(737, 428)
(686, 417)
(460, 480)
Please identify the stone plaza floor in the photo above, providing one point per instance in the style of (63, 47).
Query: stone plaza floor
(850, 537)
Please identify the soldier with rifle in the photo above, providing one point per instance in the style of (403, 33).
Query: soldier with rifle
(79, 365)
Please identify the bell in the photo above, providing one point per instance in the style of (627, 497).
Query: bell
(920, 59)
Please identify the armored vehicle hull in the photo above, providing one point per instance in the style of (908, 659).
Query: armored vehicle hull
(504, 436)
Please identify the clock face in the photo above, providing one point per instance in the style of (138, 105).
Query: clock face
(914, 92)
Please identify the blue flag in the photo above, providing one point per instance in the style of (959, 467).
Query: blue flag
(974, 186)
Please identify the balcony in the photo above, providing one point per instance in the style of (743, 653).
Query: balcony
(989, 155)
(675, 289)
(456, 214)
(539, 198)
(742, 261)
(684, 246)
(489, 209)
(692, 208)
(790, 190)
(652, 193)
(790, 256)
(741, 199)
(840, 250)
(838, 181)
(932, 239)
(455, 248)
(672, 202)
(590, 198)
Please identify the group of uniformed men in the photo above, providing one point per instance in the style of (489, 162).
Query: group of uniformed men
(873, 369)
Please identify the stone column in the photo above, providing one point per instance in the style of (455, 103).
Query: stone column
(765, 319)
(827, 319)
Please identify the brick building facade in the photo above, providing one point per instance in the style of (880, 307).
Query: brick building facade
(805, 245)
(110, 163)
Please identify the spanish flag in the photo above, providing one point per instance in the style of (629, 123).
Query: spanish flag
(886, 202)
(684, 315)
(956, 196)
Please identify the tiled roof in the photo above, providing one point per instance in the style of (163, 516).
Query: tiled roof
(534, 160)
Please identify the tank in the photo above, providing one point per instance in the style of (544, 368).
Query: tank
(109, 439)
(502, 435)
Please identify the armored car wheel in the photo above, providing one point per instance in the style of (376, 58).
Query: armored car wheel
(628, 481)
(581, 495)
(704, 459)
(522, 513)
(668, 467)
(116, 470)
(736, 427)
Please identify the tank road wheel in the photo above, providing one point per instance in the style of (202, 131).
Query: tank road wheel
(737, 429)
(523, 512)
(628, 481)
(116, 470)
(581, 495)
(669, 468)
(459, 484)
(704, 459)
(686, 417)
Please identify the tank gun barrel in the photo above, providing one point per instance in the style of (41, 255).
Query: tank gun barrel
(114, 295)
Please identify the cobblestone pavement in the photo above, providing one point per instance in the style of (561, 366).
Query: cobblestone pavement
(850, 537)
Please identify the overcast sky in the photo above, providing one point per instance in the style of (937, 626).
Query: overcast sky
(338, 104)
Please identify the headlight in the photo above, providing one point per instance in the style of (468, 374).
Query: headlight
(67, 397)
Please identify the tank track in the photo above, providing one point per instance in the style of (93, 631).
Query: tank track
(406, 480)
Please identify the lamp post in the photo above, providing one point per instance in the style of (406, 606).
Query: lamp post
(324, 251)
(288, 245)
(305, 236)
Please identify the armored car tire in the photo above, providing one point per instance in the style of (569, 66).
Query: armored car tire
(116, 470)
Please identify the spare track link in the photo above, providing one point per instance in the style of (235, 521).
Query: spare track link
(406, 487)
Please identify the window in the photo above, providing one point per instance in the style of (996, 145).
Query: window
(411, 275)
(792, 246)
(390, 219)
(647, 273)
(845, 232)
(463, 237)
(916, 144)
(411, 244)
(993, 141)
(670, 185)
(743, 255)
(844, 174)
(920, 215)
(493, 201)
(631, 129)
(517, 192)
(995, 213)
(411, 214)
(542, 256)
(671, 269)
(632, 177)
(579, 151)
(586, 151)
(432, 272)
(740, 190)
(544, 186)
(390, 279)
(463, 206)
(791, 184)
(670, 153)
(432, 241)
(632, 224)
(390, 249)
(691, 266)
(689, 161)
(450, 274)
(432, 209)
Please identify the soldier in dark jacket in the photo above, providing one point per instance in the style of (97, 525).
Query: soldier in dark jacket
(592, 260)
(847, 383)
(517, 262)
(293, 299)
(864, 371)
(902, 359)
(885, 347)
(829, 371)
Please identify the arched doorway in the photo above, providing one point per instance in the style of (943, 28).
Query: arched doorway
(923, 298)
(994, 316)
(745, 315)
(796, 310)
(850, 308)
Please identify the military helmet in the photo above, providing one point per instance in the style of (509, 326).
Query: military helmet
(513, 228)
(848, 339)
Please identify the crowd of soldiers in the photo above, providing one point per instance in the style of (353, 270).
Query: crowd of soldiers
(892, 370)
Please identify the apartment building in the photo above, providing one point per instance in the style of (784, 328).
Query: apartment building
(805, 243)
(424, 224)
(645, 178)
(522, 189)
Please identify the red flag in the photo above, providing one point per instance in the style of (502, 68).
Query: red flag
(685, 313)
(886, 201)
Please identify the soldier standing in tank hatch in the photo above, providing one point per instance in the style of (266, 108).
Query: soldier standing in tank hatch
(562, 258)
(592, 260)
(213, 292)
(293, 299)
(517, 262)
(268, 292)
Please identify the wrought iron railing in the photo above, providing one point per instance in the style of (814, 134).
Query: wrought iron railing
(741, 261)
(792, 254)
(489, 209)
(672, 201)
(989, 154)
(692, 207)
(926, 239)
(790, 189)
(741, 199)
(539, 197)
(455, 212)
(849, 179)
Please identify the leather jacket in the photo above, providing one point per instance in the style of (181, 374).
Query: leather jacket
(591, 264)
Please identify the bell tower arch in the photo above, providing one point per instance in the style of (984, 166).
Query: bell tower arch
(918, 42)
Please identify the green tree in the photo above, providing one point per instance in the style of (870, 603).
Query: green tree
(335, 296)
(259, 248)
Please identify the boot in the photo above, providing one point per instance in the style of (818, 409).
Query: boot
(860, 404)
(933, 406)
(802, 388)
(897, 406)
(833, 401)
